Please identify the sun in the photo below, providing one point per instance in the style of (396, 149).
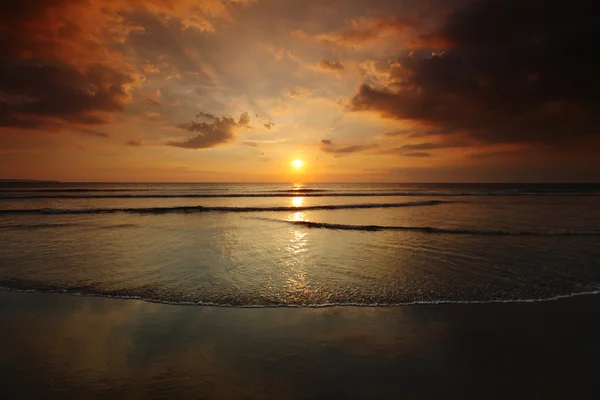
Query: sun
(298, 164)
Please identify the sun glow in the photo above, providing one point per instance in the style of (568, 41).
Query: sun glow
(298, 164)
(297, 201)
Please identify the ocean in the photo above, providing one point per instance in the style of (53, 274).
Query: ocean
(302, 245)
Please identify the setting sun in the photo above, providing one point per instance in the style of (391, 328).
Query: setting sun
(298, 164)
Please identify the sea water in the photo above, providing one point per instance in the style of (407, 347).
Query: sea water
(266, 245)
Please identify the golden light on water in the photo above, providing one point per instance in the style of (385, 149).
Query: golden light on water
(297, 201)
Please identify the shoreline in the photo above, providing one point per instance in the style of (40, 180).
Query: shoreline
(57, 345)
(558, 297)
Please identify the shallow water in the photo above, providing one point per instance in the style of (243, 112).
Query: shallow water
(56, 346)
(256, 245)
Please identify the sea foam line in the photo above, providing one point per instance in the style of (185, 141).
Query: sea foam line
(309, 305)
(430, 229)
(200, 209)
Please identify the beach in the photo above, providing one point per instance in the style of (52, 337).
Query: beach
(58, 345)
(304, 291)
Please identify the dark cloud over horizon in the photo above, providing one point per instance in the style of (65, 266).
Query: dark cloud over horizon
(510, 71)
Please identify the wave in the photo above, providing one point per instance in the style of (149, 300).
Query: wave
(292, 193)
(300, 191)
(92, 190)
(430, 229)
(38, 226)
(201, 209)
(149, 299)
(25, 227)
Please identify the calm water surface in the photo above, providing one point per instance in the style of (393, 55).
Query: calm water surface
(257, 245)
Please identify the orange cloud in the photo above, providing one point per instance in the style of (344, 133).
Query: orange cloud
(365, 29)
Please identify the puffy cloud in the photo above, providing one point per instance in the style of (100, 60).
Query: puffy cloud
(210, 134)
(514, 72)
(244, 119)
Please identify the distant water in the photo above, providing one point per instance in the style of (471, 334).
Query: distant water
(258, 245)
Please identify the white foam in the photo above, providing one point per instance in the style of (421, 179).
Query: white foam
(315, 305)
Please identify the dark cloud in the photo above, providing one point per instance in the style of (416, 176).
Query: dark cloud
(334, 66)
(513, 71)
(70, 61)
(91, 132)
(206, 116)
(38, 94)
(417, 154)
(327, 146)
(210, 134)
(416, 132)
(418, 149)
(244, 119)
(432, 146)
(152, 101)
(134, 142)
(495, 154)
(269, 125)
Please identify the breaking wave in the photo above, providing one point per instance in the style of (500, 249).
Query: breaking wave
(136, 295)
(430, 229)
(200, 209)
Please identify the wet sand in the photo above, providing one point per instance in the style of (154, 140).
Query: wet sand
(57, 346)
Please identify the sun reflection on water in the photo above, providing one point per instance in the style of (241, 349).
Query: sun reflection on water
(298, 290)
(297, 201)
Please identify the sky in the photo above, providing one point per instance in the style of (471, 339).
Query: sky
(361, 91)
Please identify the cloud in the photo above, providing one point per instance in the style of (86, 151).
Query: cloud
(210, 134)
(38, 94)
(365, 29)
(328, 147)
(206, 116)
(416, 132)
(418, 149)
(269, 125)
(260, 142)
(513, 72)
(495, 154)
(300, 93)
(417, 154)
(72, 61)
(432, 146)
(244, 119)
(91, 132)
(134, 142)
(333, 66)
